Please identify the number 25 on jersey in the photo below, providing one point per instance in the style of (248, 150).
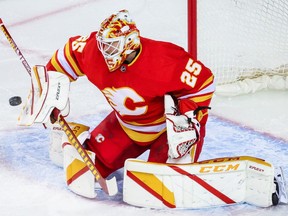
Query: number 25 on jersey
(192, 70)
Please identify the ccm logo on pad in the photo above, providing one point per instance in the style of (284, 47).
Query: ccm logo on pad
(219, 168)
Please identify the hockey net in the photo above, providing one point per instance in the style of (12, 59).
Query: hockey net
(245, 44)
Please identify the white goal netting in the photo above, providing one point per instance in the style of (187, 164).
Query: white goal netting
(245, 43)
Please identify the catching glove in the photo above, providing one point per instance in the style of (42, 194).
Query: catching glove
(182, 133)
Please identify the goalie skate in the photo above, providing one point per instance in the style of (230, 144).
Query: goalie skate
(280, 196)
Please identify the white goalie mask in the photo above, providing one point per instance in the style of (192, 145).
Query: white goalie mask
(118, 37)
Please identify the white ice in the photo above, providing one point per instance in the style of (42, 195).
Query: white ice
(254, 125)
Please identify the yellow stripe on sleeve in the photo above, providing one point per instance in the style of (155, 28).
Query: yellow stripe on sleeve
(71, 60)
(207, 82)
(55, 63)
(202, 98)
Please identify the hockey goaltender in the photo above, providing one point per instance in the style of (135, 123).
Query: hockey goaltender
(141, 79)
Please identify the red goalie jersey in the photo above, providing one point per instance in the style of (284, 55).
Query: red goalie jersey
(136, 93)
(136, 90)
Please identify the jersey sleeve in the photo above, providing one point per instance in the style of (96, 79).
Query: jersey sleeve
(67, 59)
(192, 81)
(200, 82)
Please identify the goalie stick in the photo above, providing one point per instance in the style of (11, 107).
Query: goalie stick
(109, 186)
(15, 47)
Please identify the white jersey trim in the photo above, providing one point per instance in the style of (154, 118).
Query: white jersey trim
(208, 89)
(61, 58)
(155, 128)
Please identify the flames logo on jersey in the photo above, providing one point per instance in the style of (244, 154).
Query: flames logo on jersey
(125, 101)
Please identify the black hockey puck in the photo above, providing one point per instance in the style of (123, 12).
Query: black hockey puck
(15, 101)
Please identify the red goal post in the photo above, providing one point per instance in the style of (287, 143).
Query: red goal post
(192, 27)
(244, 43)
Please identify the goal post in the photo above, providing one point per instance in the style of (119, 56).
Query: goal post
(244, 43)
(192, 27)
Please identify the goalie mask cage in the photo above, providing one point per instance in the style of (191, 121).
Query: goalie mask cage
(244, 43)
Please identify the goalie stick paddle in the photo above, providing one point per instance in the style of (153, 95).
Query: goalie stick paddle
(109, 186)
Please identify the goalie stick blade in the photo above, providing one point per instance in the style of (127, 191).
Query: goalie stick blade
(112, 186)
(109, 186)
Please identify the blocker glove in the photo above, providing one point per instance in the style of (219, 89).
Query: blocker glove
(49, 90)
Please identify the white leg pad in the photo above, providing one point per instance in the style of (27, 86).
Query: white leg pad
(79, 178)
(58, 137)
(55, 145)
(215, 182)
